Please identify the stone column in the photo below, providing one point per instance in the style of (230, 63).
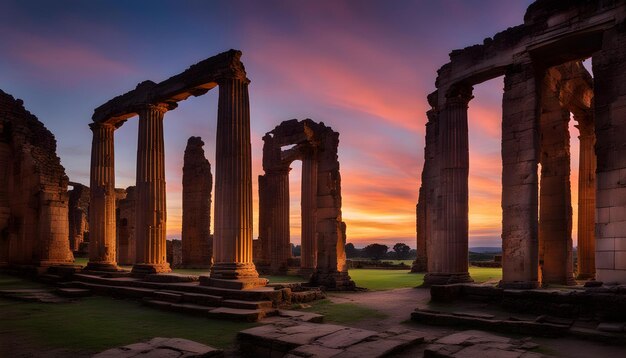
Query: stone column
(197, 186)
(278, 238)
(520, 156)
(425, 215)
(450, 259)
(102, 256)
(151, 216)
(232, 244)
(555, 214)
(308, 205)
(609, 84)
(586, 200)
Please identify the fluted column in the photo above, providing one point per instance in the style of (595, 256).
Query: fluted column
(450, 250)
(102, 199)
(308, 205)
(586, 200)
(232, 245)
(280, 247)
(151, 213)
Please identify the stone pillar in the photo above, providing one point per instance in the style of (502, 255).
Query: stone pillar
(197, 186)
(331, 271)
(261, 250)
(555, 214)
(278, 236)
(450, 249)
(150, 190)
(425, 215)
(586, 200)
(520, 156)
(102, 256)
(126, 224)
(308, 205)
(609, 84)
(232, 244)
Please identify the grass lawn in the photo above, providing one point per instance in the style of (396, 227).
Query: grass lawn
(377, 280)
(343, 313)
(98, 323)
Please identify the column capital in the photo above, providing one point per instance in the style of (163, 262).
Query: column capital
(101, 125)
(234, 74)
(160, 107)
(459, 94)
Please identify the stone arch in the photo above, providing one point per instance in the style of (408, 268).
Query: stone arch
(323, 234)
(525, 55)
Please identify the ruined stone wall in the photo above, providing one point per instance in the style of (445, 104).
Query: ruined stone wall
(126, 244)
(36, 231)
(78, 215)
(197, 244)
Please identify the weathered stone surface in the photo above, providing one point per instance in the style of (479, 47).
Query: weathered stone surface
(34, 226)
(197, 187)
(78, 215)
(478, 344)
(298, 339)
(162, 347)
(174, 250)
(545, 82)
(126, 243)
(323, 232)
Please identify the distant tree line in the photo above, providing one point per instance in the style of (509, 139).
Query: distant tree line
(399, 251)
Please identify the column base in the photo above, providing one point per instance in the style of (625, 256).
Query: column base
(518, 285)
(306, 272)
(446, 278)
(419, 266)
(148, 269)
(235, 275)
(102, 266)
(333, 281)
(586, 276)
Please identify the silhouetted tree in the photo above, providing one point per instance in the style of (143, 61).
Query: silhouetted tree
(402, 250)
(351, 251)
(375, 251)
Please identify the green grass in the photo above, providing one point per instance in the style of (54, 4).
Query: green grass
(343, 313)
(377, 280)
(99, 323)
(12, 282)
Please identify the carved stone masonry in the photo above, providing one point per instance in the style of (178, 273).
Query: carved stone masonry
(197, 243)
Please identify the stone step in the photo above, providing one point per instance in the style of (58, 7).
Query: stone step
(250, 305)
(49, 278)
(73, 292)
(201, 299)
(258, 294)
(211, 312)
(168, 296)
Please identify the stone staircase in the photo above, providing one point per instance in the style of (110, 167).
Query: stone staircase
(188, 297)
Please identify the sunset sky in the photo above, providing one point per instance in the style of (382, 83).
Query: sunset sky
(362, 67)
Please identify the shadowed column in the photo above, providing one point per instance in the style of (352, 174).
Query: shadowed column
(151, 213)
(278, 238)
(450, 249)
(308, 211)
(520, 156)
(102, 199)
(555, 213)
(586, 200)
(232, 245)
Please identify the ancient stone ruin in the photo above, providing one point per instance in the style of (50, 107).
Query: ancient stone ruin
(545, 85)
(232, 246)
(323, 240)
(125, 226)
(78, 216)
(197, 242)
(34, 227)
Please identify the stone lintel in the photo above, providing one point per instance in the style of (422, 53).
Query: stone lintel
(194, 81)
